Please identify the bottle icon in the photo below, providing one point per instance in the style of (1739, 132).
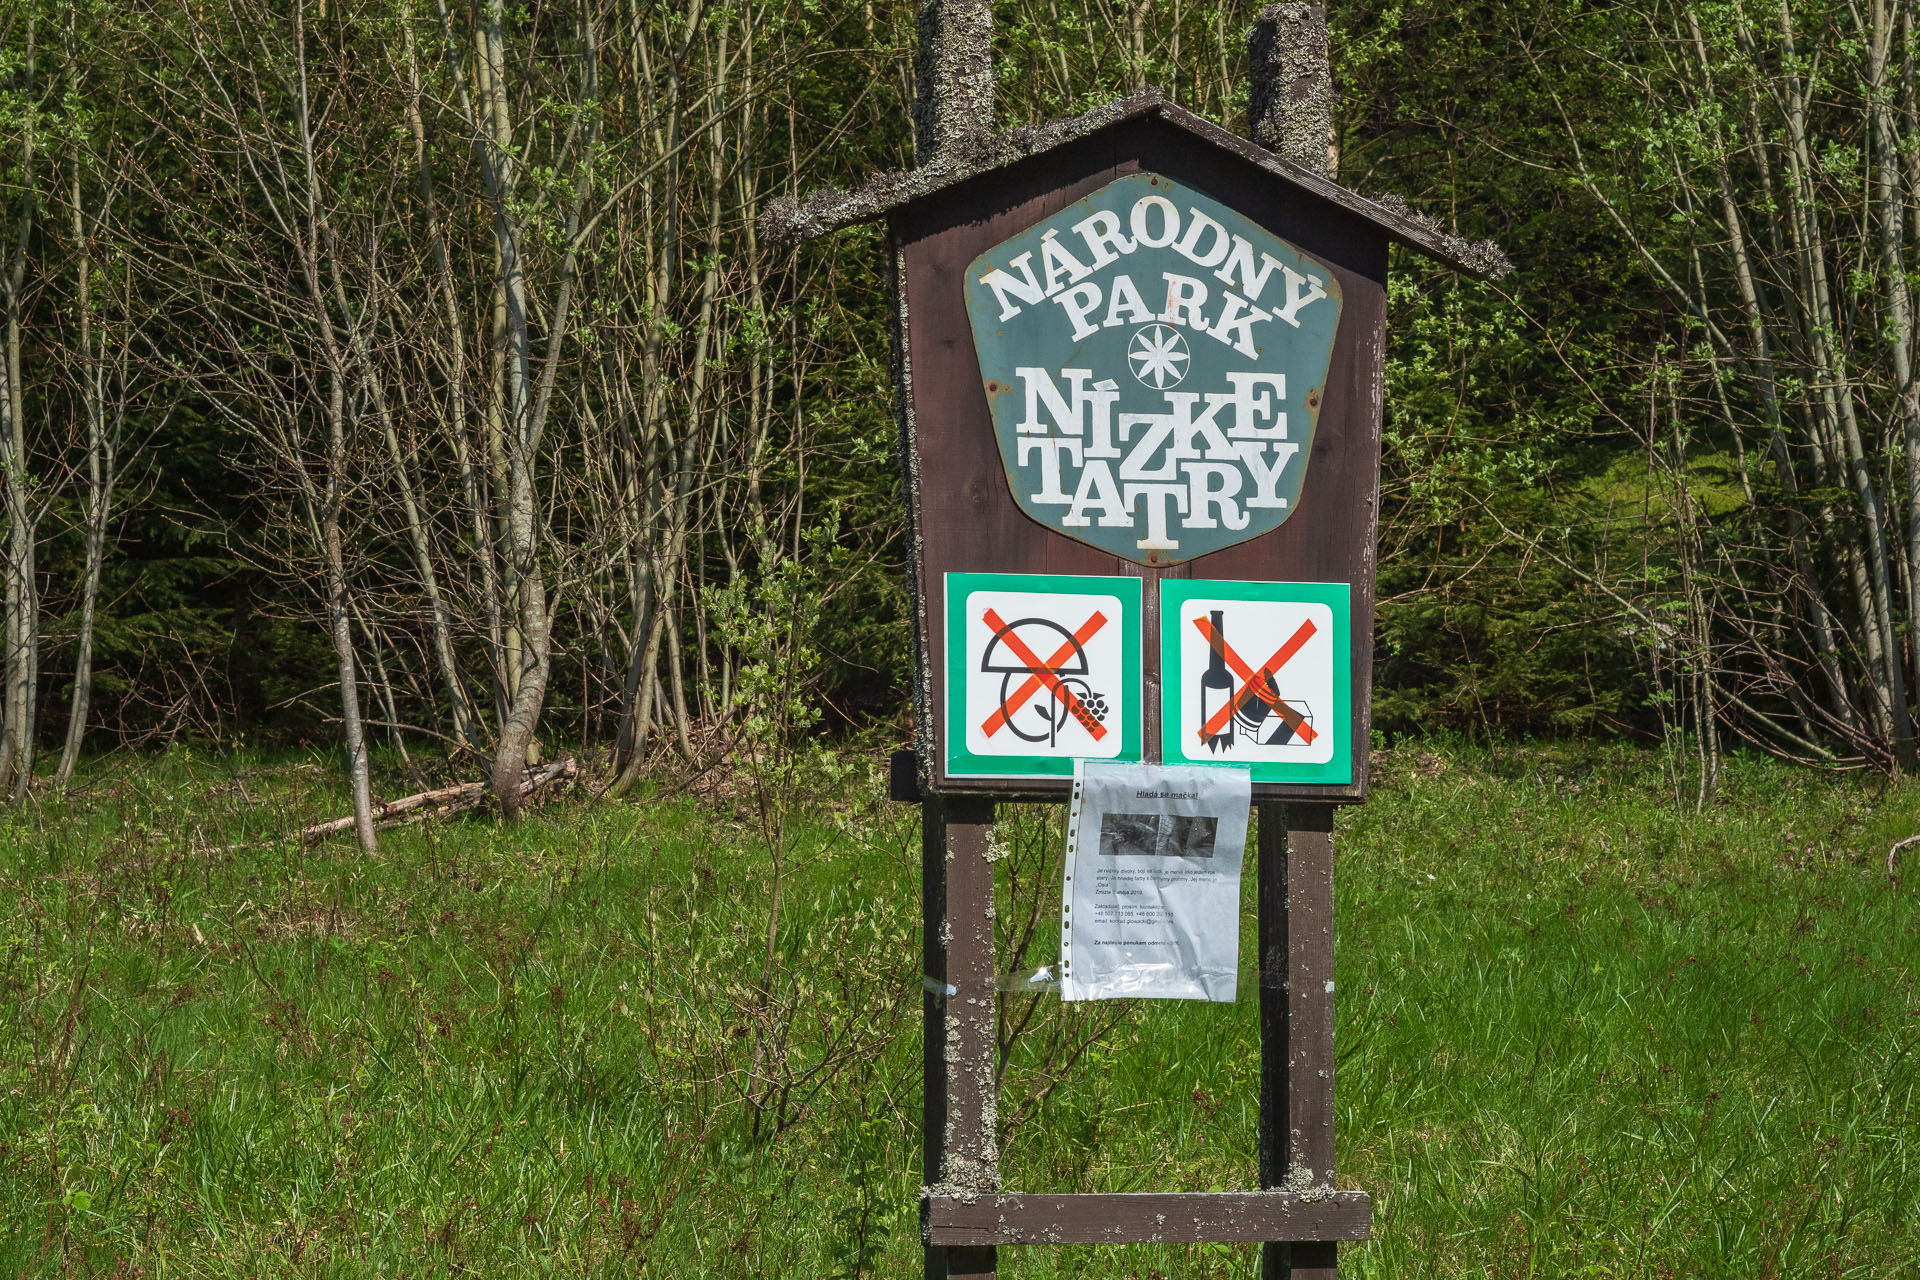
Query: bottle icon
(1216, 685)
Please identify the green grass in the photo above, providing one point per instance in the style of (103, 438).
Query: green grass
(1582, 1034)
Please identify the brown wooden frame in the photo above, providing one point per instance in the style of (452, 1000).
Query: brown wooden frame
(963, 519)
(966, 1215)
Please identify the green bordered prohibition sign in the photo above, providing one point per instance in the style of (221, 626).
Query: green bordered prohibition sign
(1156, 364)
(1042, 669)
(1258, 674)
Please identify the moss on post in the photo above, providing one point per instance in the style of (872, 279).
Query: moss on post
(1290, 85)
(953, 74)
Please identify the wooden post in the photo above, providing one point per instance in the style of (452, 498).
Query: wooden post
(1290, 85)
(953, 76)
(970, 194)
(960, 1125)
(1290, 112)
(953, 103)
(975, 511)
(1295, 906)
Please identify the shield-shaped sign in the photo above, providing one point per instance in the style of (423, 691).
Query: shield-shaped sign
(1155, 362)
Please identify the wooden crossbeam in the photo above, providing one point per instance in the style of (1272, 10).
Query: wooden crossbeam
(1147, 1218)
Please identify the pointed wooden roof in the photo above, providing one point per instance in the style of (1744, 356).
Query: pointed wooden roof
(829, 209)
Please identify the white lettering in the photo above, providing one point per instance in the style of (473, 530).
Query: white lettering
(1250, 405)
(1209, 459)
(1240, 263)
(1266, 480)
(1176, 494)
(1159, 426)
(1169, 222)
(1077, 302)
(1236, 330)
(1070, 418)
(1026, 288)
(1127, 307)
(1186, 426)
(1100, 430)
(1058, 262)
(1189, 246)
(1105, 241)
(1300, 291)
(1049, 450)
(1185, 296)
(1097, 490)
(1202, 496)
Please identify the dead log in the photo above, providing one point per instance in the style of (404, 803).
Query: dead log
(441, 802)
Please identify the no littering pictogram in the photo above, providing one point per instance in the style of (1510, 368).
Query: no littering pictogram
(1257, 696)
(1258, 674)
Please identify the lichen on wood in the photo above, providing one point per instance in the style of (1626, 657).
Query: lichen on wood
(1482, 258)
(788, 221)
(1290, 85)
(953, 76)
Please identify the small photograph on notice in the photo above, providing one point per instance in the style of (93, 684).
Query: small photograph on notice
(1188, 837)
(1156, 835)
(1129, 835)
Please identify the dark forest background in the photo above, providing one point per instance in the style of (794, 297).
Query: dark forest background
(411, 372)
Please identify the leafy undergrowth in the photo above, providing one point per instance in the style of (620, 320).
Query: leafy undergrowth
(1582, 1034)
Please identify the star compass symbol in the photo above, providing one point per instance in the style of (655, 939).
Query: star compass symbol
(1159, 356)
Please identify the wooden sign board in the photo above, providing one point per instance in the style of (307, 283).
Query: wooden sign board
(1142, 392)
(1139, 369)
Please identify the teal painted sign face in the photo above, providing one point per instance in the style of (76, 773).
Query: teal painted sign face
(1156, 364)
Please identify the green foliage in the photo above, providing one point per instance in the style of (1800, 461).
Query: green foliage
(1512, 413)
(1581, 1033)
(859, 1226)
(771, 620)
(1502, 401)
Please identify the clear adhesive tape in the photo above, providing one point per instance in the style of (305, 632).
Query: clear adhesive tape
(1047, 978)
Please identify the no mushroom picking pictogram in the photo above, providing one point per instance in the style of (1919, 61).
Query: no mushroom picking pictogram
(1041, 671)
(1063, 675)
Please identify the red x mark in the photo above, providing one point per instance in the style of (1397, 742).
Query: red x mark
(1044, 673)
(1255, 686)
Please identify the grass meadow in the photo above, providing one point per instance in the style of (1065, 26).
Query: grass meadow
(1583, 1032)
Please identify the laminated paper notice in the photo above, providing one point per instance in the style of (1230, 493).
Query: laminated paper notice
(1150, 897)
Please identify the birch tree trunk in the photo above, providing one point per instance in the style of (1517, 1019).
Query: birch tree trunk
(527, 404)
(20, 660)
(103, 444)
(318, 237)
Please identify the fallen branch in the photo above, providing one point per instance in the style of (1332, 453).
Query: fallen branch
(440, 803)
(1898, 845)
